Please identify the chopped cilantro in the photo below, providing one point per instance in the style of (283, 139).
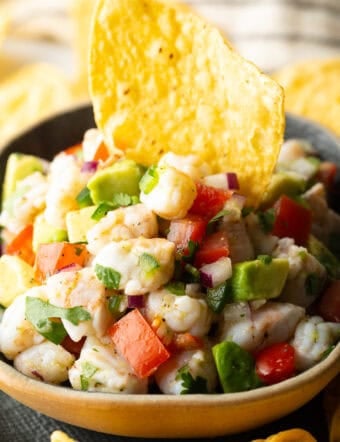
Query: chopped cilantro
(176, 288)
(246, 211)
(114, 304)
(118, 200)
(41, 314)
(266, 259)
(88, 370)
(219, 296)
(266, 220)
(219, 215)
(313, 284)
(101, 211)
(108, 276)
(191, 250)
(121, 199)
(191, 385)
(148, 263)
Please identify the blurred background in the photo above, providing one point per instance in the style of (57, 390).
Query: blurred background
(296, 41)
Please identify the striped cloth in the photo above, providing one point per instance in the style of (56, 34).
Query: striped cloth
(274, 33)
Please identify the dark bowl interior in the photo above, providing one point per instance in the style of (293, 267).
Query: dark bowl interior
(64, 130)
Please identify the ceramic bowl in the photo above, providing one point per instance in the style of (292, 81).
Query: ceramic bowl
(162, 415)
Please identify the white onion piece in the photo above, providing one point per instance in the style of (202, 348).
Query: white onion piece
(215, 273)
(224, 181)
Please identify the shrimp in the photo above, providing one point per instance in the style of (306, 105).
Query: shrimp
(303, 268)
(16, 332)
(263, 243)
(47, 362)
(197, 363)
(100, 368)
(143, 264)
(241, 249)
(312, 339)
(81, 288)
(254, 329)
(65, 182)
(121, 224)
(28, 200)
(180, 313)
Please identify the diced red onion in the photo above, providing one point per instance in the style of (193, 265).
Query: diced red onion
(70, 268)
(136, 301)
(225, 181)
(232, 181)
(215, 273)
(89, 166)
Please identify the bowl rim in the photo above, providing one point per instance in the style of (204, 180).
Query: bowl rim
(14, 380)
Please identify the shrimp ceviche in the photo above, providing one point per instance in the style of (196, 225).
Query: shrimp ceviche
(125, 279)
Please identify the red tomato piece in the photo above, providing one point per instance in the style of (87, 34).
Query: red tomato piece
(209, 200)
(21, 245)
(53, 257)
(326, 174)
(292, 220)
(137, 342)
(181, 231)
(214, 247)
(329, 304)
(275, 363)
(72, 346)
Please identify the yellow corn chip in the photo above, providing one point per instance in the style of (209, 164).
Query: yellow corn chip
(30, 94)
(60, 436)
(294, 435)
(4, 22)
(162, 79)
(312, 89)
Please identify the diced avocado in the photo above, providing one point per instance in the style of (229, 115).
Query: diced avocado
(324, 256)
(16, 278)
(259, 279)
(44, 233)
(235, 367)
(78, 222)
(18, 167)
(283, 183)
(122, 177)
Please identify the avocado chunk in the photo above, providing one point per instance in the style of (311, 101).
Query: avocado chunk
(78, 222)
(283, 183)
(18, 167)
(324, 256)
(16, 278)
(235, 367)
(122, 177)
(44, 233)
(259, 279)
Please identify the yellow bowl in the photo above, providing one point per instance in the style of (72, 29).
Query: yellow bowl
(170, 416)
(163, 415)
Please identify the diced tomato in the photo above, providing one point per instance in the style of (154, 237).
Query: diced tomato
(72, 346)
(53, 257)
(74, 150)
(214, 247)
(329, 304)
(326, 174)
(292, 220)
(185, 342)
(209, 200)
(21, 245)
(102, 153)
(275, 363)
(181, 231)
(138, 344)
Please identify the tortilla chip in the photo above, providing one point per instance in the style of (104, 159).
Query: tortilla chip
(312, 90)
(60, 436)
(162, 79)
(30, 94)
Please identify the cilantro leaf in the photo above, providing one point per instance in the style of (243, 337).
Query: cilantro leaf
(108, 276)
(88, 370)
(191, 385)
(266, 220)
(118, 200)
(219, 215)
(176, 288)
(121, 199)
(148, 263)
(39, 313)
(102, 211)
(265, 259)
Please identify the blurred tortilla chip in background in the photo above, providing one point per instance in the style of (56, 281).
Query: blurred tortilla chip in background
(312, 90)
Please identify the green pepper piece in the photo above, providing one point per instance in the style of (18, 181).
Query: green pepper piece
(235, 367)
